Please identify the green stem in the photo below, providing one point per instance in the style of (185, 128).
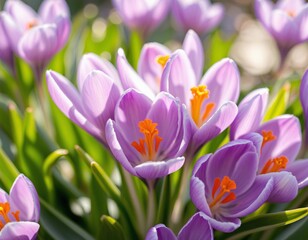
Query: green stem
(151, 205)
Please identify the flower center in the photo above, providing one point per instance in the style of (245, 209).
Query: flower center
(148, 146)
(162, 60)
(224, 195)
(268, 136)
(291, 13)
(4, 213)
(32, 23)
(275, 165)
(200, 94)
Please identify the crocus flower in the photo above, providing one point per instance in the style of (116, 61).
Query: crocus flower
(280, 146)
(199, 15)
(143, 16)
(36, 37)
(94, 103)
(19, 211)
(196, 228)
(304, 102)
(210, 101)
(6, 52)
(154, 56)
(224, 185)
(148, 137)
(286, 21)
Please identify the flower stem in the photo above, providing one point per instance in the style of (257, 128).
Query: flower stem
(151, 205)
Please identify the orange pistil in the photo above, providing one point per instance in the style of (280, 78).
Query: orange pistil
(275, 164)
(31, 24)
(268, 136)
(162, 60)
(4, 213)
(226, 185)
(291, 13)
(200, 94)
(148, 146)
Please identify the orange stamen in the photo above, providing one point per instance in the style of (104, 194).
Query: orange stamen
(291, 13)
(268, 136)
(31, 24)
(200, 94)
(162, 60)
(148, 146)
(226, 185)
(275, 164)
(4, 213)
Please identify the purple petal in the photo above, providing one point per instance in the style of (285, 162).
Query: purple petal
(116, 144)
(63, 31)
(220, 120)
(192, 45)
(50, 10)
(287, 130)
(213, 17)
(148, 67)
(91, 61)
(4, 197)
(197, 228)
(6, 51)
(24, 198)
(39, 44)
(302, 23)
(21, 13)
(179, 77)
(252, 199)
(285, 187)
(223, 80)
(263, 10)
(160, 232)
(99, 96)
(224, 224)
(66, 97)
(304, 102)
(132, 108)
(20, 230)
(129, 78)
(153, 170)
(299, 169)
(250, 113)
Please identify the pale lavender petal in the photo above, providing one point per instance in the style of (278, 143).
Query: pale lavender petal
(252, 199)
(299, 169)
(213, 17)
(288, 140)
(39, 44)
(160, 232)
(218, 122)
(166, 112)
(99, 96)
(20, 230)
(113, 138)
(4, 197)
(152, 170)
(132, 108)
(21, 13)
(91, 61)
(148, 67)
(285, 187)
(302, 22)
(304, 102)
(179, 77)
(129, 78)
(63, 31)
(192, 45)
(263, 11)
(256, 139)
(51, 9)
(223, 82)
(66, 97)
(24, 198)
(287, 5)
(6, 51)
(225, 224)
(250, 113)
(197, 228)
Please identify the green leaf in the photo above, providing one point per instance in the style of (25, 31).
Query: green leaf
(8, 171)
(111, 228)
(267, 221)
(278, 105)
(60, 227)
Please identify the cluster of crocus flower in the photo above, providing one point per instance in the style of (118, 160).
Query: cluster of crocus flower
(144, 16)
(286, 21)
(35, 37)
(19, 211)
